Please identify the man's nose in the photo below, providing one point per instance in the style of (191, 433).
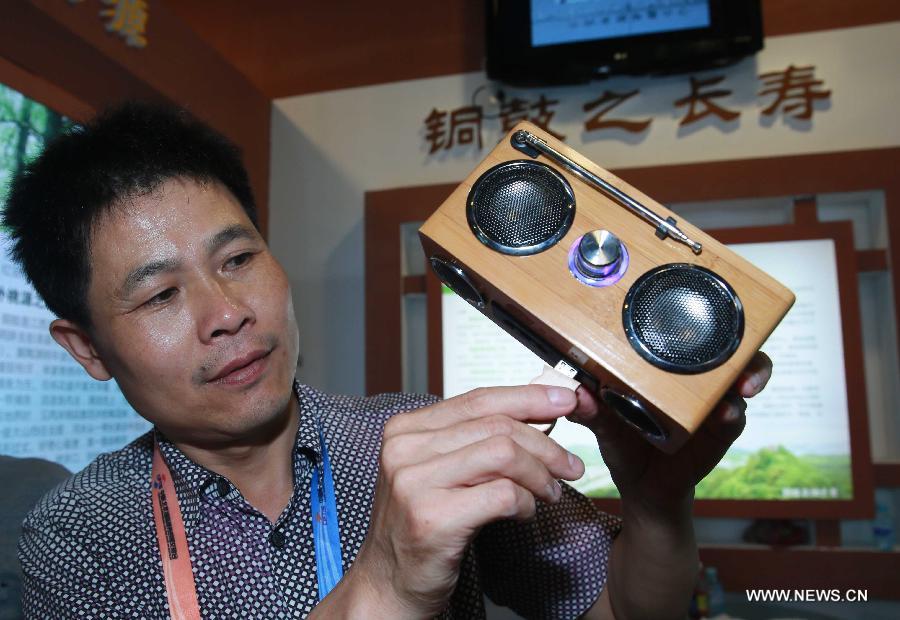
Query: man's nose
(223, 309)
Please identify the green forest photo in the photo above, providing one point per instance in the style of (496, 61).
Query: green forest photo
(773, 473)
(25, 126)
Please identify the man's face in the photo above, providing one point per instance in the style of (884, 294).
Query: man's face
(191, 313)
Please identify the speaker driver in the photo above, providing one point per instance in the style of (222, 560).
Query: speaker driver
(453, 276)
(520, 207)
(683, 318)
(633, 412)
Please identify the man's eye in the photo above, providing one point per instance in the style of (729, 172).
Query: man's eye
(163, 297)
(239, 260)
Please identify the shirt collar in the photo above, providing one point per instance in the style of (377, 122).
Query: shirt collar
(192, 480)
(307, 441)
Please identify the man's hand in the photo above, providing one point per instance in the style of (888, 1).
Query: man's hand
(657, 481)
(446, 471)
(654, 561)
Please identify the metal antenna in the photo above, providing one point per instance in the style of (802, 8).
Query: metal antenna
(530, 144)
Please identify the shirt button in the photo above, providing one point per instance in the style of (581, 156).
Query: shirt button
(222, 487)
(277, 539)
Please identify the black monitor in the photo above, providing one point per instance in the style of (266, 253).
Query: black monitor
(547, 42)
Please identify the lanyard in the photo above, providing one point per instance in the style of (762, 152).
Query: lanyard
(172, 539)
(176, 561)
(329, 569)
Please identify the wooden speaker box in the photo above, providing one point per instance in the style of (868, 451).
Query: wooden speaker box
(603, 283)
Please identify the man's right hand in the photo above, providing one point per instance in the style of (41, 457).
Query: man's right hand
(446, 471)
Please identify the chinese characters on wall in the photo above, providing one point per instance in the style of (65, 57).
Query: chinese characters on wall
(126, 18)
(791, 93)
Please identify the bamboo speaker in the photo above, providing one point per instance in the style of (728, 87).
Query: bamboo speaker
(602, 282)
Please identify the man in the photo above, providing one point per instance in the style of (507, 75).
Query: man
(139, 231)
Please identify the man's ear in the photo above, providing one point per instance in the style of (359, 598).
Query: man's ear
(74, 339)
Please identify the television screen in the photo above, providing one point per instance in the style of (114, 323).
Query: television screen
(558, 21)
(49, 407)
(544, 42)
(796, 445)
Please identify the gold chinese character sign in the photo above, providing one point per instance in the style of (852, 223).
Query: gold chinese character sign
(126, 18)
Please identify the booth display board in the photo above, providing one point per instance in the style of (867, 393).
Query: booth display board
(49, 407)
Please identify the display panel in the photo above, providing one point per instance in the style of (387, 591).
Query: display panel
(550, 42)
(555, 21)
(796, 445)
(49, 407)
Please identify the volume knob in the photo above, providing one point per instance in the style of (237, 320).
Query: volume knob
(599, 254)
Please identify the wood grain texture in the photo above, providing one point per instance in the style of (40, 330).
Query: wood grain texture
(579, 320)
(291, 48)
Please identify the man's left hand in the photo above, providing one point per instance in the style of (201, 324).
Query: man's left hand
(651, 479)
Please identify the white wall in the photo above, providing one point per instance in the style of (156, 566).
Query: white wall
(329, 148)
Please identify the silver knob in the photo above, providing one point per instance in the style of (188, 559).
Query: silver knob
(599, 253)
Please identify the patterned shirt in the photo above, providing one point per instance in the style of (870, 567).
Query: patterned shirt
(89, 548)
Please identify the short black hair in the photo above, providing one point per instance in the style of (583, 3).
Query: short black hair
(127, 151)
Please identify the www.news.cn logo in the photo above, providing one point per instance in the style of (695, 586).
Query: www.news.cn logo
(807, 596)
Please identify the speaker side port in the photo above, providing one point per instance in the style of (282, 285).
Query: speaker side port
(453, 276)
(634, 413)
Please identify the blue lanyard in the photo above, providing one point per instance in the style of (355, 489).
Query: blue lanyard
(329, 568)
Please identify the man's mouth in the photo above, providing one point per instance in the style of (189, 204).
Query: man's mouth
(242, 370)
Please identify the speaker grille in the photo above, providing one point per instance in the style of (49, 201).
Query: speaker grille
(683, 318)
(520, 207)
